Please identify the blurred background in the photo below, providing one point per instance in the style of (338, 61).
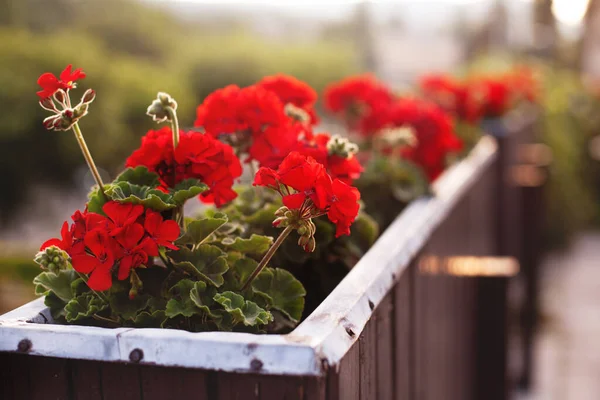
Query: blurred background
(131, 49)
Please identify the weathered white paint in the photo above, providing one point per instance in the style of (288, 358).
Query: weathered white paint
(319, 342)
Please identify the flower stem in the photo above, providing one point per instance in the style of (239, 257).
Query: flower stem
(263, 263)
(88, 157)
(174, 125)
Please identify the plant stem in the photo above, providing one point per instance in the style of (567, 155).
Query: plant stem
(101, 297)
(174, 125)
(263, 263)
(88, 157)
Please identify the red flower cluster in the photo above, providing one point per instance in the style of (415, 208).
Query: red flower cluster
(293, 91)
(50, 83)
(306, 187)
(433, 130)
(360, 101)
(451, 95)
(491, 96)
(196, 156)
(346, 169)
(123, 239)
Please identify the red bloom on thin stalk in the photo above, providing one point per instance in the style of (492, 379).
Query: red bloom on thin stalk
(50, 83)
(308, 192)
(452, 95)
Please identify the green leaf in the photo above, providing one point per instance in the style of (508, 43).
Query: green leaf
(257, 244)
(78, 286)
(244, 311)
(96, 201)
(140, 176)
(154, 319)
(187, 189)
(264, 216)
(181, 303)
(197, 231)
(282, 291)
(83, 306)
(244, 268)
(122, 305)
(56, 305)
(189, 298)
(206, 262)
(59, 283)
(365, 231)
(125, 192)
(202, 297)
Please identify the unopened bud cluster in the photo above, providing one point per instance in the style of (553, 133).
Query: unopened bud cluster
(161, 108)
(341, 147)
(305, 227)
(64, 119)
(296, 113)
(53, 259)
(401, 136)
(136, 285)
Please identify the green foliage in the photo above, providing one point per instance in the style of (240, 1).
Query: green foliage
(243, 311)
(200, 230)
(281, 291)
(84, 306)
(125, 192)
(388, 184)
(206, 262)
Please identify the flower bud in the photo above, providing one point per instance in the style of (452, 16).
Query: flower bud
(136, 284)
(341, 147)
(281, 222)
(48, 104)
(61, 97)
(159, 108)
(311, 245)
(88, 96)
(80, 111)
(296, 113)
(166, 100)
(50, 121)
(53, 259)
(281, 211)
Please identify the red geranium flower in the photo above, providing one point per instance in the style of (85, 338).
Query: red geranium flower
(127, 238)
(451, 95)
(359, 100)
(433, 129)
(98, 260)
(294, 91)
(346, 169)
(306, 188)
(197, 156)
(161, 232)
(50, 83)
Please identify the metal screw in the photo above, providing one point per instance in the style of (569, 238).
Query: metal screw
(136, 355)
(256, 365)
(371, 305)
(24, 346)
(350, 332)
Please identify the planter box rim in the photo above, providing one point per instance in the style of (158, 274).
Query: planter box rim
(317, 344)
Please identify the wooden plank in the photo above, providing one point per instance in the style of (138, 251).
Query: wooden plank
(404, 362)
(86, 382)
(236, 387)
(385, 348)
(121, 381)
(315, 389)
(49, 377)
(344, 383)
(368, 360)
(159, 383)
(16, 369)
(281, 388)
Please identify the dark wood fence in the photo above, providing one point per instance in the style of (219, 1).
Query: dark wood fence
(433, 337)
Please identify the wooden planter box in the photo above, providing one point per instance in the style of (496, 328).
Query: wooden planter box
(387, 331)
